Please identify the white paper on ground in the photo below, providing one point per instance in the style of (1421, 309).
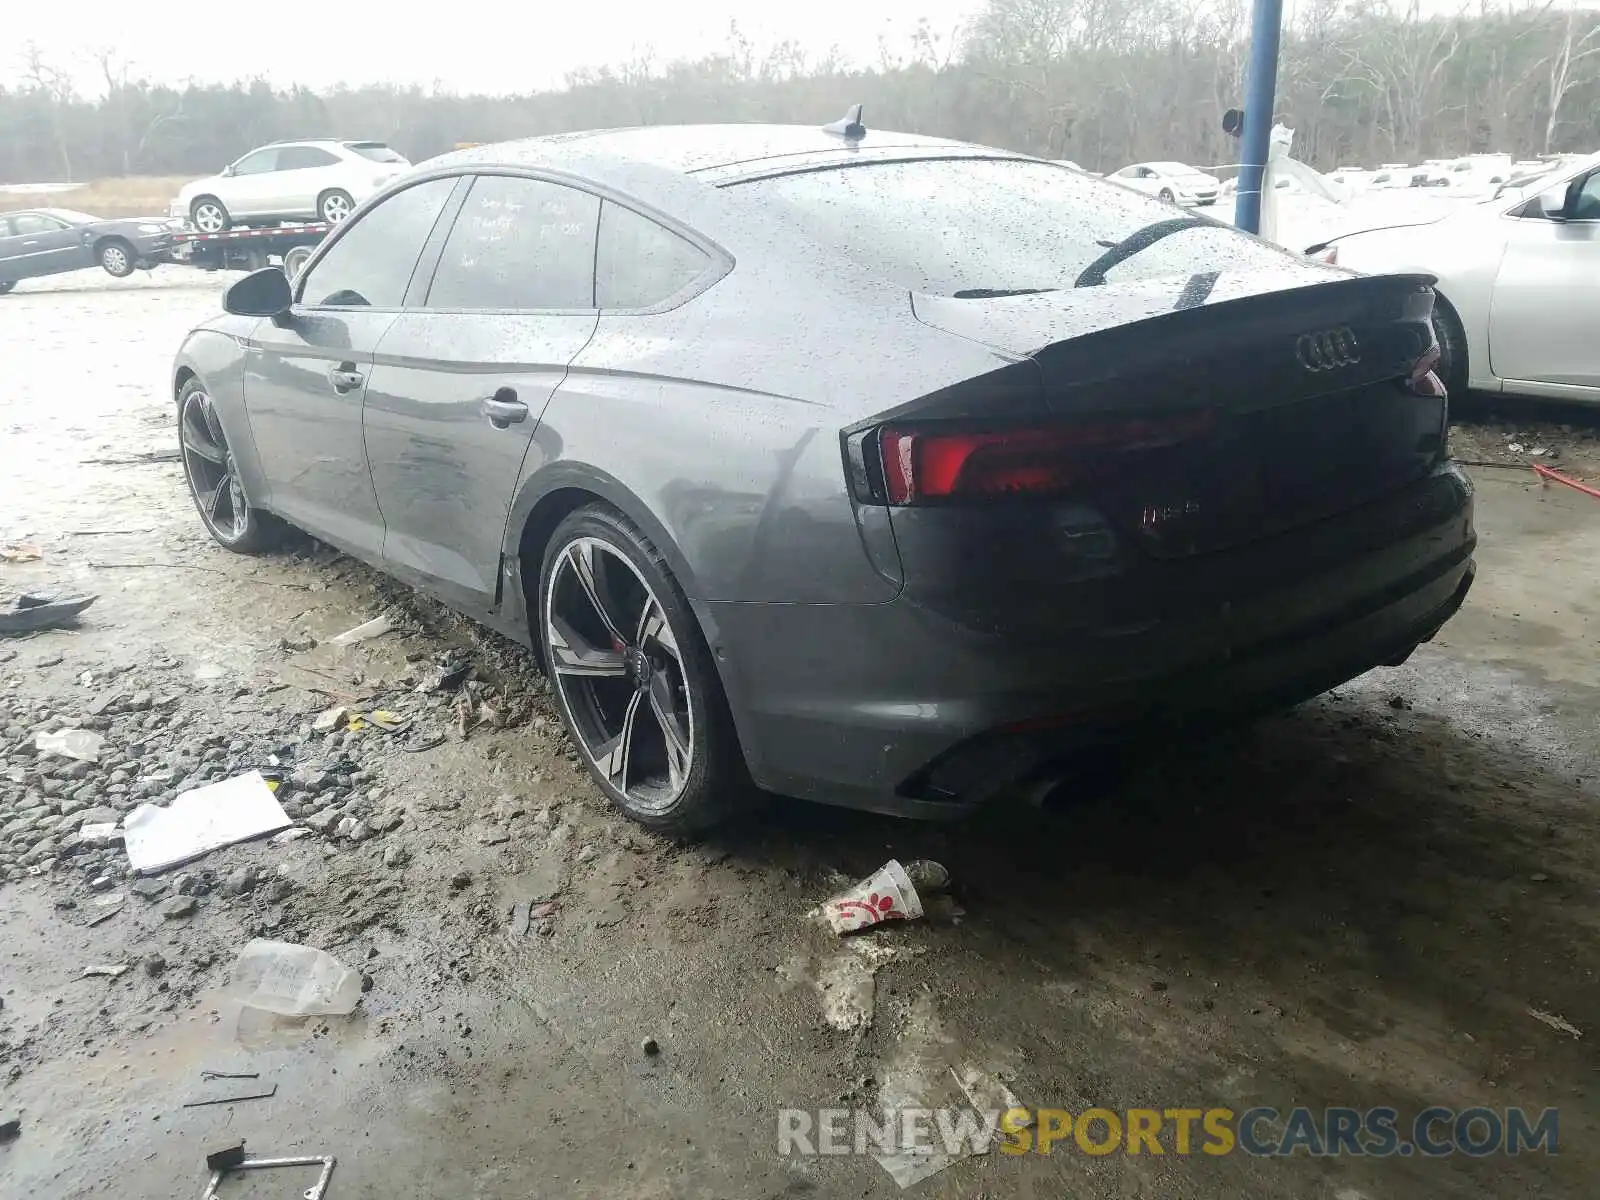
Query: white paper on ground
(201, 820)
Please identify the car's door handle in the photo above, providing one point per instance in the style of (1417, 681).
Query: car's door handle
(504, 409)
(345, 377)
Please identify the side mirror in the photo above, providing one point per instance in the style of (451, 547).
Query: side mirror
(1553, 204)
(263, 293)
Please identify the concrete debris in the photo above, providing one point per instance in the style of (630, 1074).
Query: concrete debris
(178, 907)
(106, 970)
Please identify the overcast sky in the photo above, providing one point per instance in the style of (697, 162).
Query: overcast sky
(493, 46)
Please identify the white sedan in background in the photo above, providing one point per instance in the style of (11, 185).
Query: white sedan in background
(1518, 306)
(1170, 181)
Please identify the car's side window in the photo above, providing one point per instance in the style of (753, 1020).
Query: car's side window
(258, 163)
(370, 263)
(34, 223)
(299, 158)
(1586, 207)
(519, 244)
(637, 263)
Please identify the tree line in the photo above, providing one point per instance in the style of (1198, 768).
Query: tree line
(1101, 82)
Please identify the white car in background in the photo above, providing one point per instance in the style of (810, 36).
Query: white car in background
(1518, 306)
(1170, 181)
(317, 180)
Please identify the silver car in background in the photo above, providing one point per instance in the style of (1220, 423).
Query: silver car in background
(319, 180)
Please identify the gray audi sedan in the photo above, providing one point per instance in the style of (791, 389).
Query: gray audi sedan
(52, 241)
(874, 469)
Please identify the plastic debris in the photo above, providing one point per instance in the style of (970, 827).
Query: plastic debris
(81, 744)
(107, 970)
(30, 613)
(293, 980)
(20, 552)
(376, 627)
(1559, 1024)
(101, 831)
(886, 895)
(292, 834)
(201, 820)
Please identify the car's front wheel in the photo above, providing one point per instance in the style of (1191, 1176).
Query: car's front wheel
(116, 257)
(633, 677)
(208, 215)
(1166, 196)
(213, 476)
(335, 206)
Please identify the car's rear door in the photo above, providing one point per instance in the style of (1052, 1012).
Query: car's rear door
(302, 173)
(1542, 313)
(306, 373)
(463, 376)
(46, 245)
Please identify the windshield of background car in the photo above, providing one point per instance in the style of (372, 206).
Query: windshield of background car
(377, 152)
(948, 225)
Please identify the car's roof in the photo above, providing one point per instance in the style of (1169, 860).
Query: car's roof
(690, 149)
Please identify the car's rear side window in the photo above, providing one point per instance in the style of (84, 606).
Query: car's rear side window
(298, 158)
(948, 225)
(519, 244)
(371, 262)
(638, 263)
(376, 151)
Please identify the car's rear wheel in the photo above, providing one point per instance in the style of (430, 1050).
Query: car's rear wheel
(633, 676)
(1452, 368)
(213, 476)
(208, 215)
(335, 206)
(117, 258)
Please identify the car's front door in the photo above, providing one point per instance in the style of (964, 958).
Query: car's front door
(464, 375)
(41, 244)
(306, 373)
(1542, 315)
(253, 186)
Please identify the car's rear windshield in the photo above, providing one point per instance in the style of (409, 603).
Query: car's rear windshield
(948, 225)
(376, 151)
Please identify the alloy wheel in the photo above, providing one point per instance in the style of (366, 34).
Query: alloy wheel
(115, 260)
(616, 662)
(335, 208)
(213, 476)
(208, 218)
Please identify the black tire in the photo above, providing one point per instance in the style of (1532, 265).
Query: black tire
(6, 286)
(1452, 368)
(117, 257)
(716, 782)
(335, 206)
(201, 215)
(213, 481)
(1165, 195)
(295, 261)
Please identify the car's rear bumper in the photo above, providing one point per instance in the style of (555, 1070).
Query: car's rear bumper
(895, 708)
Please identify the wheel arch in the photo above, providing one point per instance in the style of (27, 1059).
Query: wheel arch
(106, 239)
(1452, 314)
(547, 500)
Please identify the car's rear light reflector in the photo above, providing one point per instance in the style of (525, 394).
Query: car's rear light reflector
(924, 464)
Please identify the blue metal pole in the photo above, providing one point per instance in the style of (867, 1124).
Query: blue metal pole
(1261, 81)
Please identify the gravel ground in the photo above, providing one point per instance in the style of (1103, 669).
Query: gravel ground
(1360, 903)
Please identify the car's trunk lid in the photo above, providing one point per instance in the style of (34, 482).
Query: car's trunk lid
(1306, 387)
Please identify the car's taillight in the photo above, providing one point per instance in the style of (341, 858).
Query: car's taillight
(923, 464)
(1423, 381)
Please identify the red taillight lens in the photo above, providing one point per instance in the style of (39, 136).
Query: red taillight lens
(923, 464)
(1423, 381)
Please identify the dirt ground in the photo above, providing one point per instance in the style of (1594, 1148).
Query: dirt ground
(1363, 902)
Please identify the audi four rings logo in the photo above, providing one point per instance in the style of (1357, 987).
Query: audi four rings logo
(1327, 349)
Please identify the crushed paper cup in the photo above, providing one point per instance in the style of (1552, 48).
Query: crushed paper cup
(885, 895)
